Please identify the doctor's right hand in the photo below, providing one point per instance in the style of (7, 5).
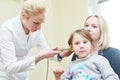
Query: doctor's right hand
(46, 54)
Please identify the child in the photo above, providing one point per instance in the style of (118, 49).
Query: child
(89, 65)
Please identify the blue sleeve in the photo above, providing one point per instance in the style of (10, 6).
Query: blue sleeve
(113, 56)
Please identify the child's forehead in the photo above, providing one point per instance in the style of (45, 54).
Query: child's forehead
(77, 35)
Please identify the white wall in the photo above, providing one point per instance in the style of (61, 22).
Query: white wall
(111, 12)
(9, 9)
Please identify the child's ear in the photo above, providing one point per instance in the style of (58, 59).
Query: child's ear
(71, 48)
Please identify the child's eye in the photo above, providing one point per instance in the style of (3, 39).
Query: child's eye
(85, 42)
(76, 43)
(36, 23)
(86, 25)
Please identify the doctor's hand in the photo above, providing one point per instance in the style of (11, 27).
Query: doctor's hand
(66, 53)
(46, 54)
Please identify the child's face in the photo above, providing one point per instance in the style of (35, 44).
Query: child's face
(81, 46)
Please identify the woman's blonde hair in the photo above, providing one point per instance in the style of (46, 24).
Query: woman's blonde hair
(34, 7)
(104, 40)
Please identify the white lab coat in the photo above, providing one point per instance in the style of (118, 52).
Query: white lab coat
(14, 47)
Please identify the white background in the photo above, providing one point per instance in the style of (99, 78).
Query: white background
(111, 12)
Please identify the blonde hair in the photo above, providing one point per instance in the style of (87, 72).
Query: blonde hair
(104, 40)
(34, 7)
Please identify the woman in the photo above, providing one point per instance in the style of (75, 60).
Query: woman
(18, 36)
(98, 29)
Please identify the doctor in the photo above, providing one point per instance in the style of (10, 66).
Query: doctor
(18, 36)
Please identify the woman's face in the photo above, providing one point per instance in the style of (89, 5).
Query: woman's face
(34, 22)
(92, 25)
(81, 46)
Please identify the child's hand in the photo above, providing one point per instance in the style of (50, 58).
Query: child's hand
(58, 71)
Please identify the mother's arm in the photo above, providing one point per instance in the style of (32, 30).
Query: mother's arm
(113, 56)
